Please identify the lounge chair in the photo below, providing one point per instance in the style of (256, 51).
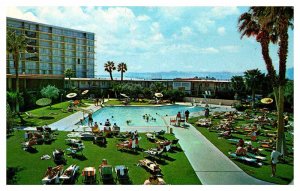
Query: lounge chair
(151, 137)
(69, 174)
(259, 158)
(155, 153)
(75, 149)
(122, 174)
(245, 159)
(100, 140)
(58, 157)
(153, 167)
(28, 145)
(106, 174)
(52, 175)
(127, 145)
(89, 175)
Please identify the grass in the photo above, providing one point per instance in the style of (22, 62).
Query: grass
(46, 114)
(285, 171)
(29, 168)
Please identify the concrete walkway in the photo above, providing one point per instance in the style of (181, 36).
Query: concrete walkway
(69, 123)
(210, 164)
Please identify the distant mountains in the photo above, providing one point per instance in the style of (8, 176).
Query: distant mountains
(179, 74)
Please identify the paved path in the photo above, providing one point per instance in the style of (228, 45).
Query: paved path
(210, 164)
(69, 123)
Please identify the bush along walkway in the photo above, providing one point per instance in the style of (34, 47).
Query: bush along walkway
(210, 164)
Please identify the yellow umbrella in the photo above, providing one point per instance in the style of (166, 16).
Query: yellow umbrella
(266, 100)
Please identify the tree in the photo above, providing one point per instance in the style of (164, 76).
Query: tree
(10, 120)
(253, 80)
(50, 92)
(122, 67)
(275, 21)
(157, 87)
(238, 85)
(15, 45)
(69, 73)
(109, 67)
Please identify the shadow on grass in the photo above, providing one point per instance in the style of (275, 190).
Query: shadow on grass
(284, 178)
(46, 117)
(32, 150)
(9, 136)
(11, 174)
(78, 157)
(131, 151)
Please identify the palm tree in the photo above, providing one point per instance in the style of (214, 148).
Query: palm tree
(274, 21)
(253, 80)
(278, 20)
(69, 73)
(15, 45)
(237, 83)
(109, 67)
(249, 26)
(122, 67)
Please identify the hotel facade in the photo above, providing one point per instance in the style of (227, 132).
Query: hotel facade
(50, 51)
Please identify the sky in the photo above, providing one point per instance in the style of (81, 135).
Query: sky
(154, 39)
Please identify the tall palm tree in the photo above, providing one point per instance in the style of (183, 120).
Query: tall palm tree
(275, 21)
(122, 67)
(15, 45)
(109, 67)
(253, 80)
(69, 73)
(249, 26)
(278, 20)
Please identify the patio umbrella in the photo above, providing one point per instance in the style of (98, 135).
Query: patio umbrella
(124, 95)
(84, 92)
(43, 102)
(266, 100)
(158, 95)
(71, 95)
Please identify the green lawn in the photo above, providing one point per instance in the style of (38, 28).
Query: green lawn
(30, 168)
(46, 114)
(284, 171)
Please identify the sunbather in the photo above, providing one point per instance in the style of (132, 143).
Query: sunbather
(241, 151)
(154, 180)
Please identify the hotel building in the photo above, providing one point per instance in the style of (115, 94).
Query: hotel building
(50, 51)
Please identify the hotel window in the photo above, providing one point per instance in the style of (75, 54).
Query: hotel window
(78, 61)
(14, 24)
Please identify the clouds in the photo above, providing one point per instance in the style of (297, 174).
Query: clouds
(142, 36)
(221, 31)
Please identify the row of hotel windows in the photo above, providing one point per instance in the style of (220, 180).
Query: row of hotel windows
(79, 74)
(48, 29)
(80, 59)
(61, 45)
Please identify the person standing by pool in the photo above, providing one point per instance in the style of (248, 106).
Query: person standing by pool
(90, 120)
(187, 113)
(206, 112)
(178, 118)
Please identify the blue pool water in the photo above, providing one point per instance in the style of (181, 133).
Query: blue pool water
(120, 115)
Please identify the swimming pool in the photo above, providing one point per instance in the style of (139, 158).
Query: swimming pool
(121, 114)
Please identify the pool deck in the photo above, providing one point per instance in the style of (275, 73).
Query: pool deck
(209, 163)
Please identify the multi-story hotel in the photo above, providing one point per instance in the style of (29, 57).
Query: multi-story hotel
(50, 51)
